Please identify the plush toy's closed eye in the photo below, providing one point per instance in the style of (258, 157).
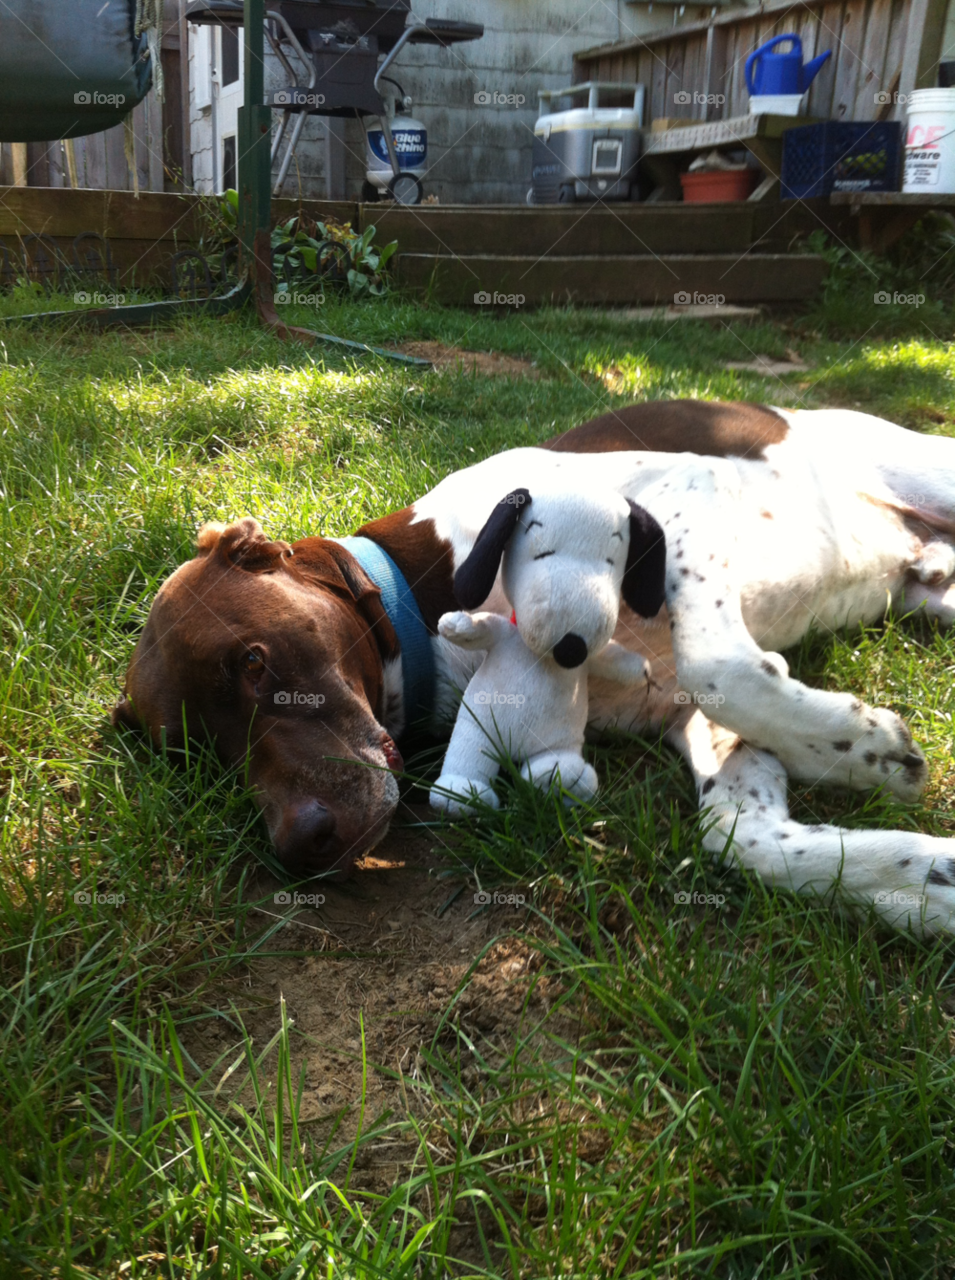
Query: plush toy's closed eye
(644, 579)
(475, 578)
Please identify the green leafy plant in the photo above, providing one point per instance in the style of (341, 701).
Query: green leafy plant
(334, 253)
(304, 252)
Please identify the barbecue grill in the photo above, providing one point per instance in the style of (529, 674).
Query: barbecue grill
(345, 47)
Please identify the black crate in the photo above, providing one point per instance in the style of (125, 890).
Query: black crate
(841, 155)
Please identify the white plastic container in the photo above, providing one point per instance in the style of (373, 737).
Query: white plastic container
(775, 104)
(411, 145)
(930, 142)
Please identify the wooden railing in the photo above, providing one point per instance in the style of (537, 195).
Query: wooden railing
(881, 51)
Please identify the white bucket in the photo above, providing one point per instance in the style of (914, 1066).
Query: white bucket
(930, 142)
(775, 104)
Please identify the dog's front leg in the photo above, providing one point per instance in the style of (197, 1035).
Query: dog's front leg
(621, 665)
(816, 735)
(907, 878)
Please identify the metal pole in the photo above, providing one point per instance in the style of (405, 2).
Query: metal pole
(254, 130)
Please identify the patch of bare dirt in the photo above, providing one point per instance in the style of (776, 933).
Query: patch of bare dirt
(387, 949)
(486, 363)
(771, 366)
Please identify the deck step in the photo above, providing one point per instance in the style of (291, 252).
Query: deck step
(476, 279)
(617, 230)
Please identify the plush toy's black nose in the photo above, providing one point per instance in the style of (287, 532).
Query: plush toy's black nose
(570, 650)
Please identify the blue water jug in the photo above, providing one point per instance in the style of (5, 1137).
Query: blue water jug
(772, 73)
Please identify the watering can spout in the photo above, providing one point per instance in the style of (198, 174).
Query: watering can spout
(811, 68)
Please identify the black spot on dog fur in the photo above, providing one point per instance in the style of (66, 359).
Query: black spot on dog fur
(938, 877)
(799, 852)
(719, 604)
(710, 684)
(870, 757)
(754, 793)
(783, 835)
(769, 668)
(708, 786)
(842, 745)
(905, 862)
(685, 573)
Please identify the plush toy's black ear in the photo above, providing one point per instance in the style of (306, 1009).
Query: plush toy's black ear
(644, 578)
(475, 578)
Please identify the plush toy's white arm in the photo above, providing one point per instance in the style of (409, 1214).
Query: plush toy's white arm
(617, 663)
(473, 631)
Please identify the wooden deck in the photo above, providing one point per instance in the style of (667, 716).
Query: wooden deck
(623, 254)
(881, 51)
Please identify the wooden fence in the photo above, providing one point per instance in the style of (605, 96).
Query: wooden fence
(143, 235)
(881, 50)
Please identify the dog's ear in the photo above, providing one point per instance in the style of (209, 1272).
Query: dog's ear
(367, 598)
(242, 544)
(475, 577)
(644, 578)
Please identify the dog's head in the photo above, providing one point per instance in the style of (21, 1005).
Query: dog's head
(277, 654)
(567, 556)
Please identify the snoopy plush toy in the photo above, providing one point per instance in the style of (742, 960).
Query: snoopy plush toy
(567, 556)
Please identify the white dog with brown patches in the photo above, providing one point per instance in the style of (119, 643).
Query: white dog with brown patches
(822, 523)
(565, 556)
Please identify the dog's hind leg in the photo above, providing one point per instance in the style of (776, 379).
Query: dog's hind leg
(814, 734)
(906, 878)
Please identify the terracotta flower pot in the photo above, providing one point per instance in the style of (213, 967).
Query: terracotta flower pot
(718, 185)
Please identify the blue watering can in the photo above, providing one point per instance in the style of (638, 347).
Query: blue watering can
(771, 73)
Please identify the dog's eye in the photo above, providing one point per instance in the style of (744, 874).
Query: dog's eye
(253, 663)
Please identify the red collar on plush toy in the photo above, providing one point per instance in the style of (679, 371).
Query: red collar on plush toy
(514, 617)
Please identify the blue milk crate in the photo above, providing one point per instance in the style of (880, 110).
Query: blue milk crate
(841, 155)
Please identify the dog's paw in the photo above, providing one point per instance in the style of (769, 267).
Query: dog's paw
(864, 747)
(936, 563)
(461, 629)
(459, 796)
(571, 772)
(455, 626)
(885, 755)
(923, 901)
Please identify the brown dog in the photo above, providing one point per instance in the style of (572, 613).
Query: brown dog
(245, 621)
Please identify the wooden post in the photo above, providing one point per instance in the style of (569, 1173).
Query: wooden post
(714, 74)
(184, 98)
(923, 45)
(334, 158)
(18, 153)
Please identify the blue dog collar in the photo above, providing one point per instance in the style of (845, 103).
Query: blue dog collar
(417, 658)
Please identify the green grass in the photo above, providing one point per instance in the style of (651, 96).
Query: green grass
(752, 1086)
